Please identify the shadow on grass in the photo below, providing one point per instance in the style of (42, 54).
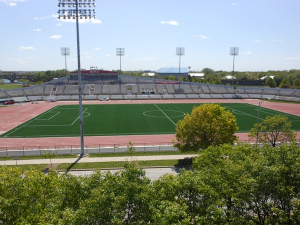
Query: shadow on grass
(74, 163)
(186, 163)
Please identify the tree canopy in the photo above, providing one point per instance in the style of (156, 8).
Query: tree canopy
(208, 124)
(272, 130)
(229, 184)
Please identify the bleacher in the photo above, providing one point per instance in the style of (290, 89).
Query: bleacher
(126, 87)
(68, 90)
(205, 89)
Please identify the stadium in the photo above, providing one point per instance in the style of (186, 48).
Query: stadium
(142, 110)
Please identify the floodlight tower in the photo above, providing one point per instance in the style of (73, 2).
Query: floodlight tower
(180, 52)
(70, 11)
(65, 52)
(120, 52)
(235, 52)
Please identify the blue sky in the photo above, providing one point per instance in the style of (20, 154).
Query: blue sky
(266, 32)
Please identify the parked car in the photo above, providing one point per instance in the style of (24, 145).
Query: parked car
(104, 99)
(9, 102)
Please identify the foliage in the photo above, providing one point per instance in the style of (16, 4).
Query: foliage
(296, 82)
(284, 84)
(208, 124)
(49, 155)
(229, 184)
(131, 149)
(270, 82)
(272, 130)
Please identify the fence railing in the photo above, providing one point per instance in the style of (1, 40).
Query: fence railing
(76, 149)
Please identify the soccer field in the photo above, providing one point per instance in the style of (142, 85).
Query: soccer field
(129, 119)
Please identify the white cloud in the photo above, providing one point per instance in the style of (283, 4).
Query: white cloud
(201, 36)
(59, 24)
(257, 41)
(107, 55)
(171, 22)
(56, 36)
(97, 49)
(11, 2)
(248, 53)
(293, 58)
(234, 4)
(23, 48)
(37, 30)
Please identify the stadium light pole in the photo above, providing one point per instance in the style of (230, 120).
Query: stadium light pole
(65, 52)
(69, 10)
(180, 52)
(234, 51)
(120, 52)
(258, 111)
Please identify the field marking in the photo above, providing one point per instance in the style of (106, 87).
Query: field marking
(51, 116)
(145, 113)
(241, 113)
(166, 115)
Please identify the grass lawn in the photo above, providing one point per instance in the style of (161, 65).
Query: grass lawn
(10, 86)
(129, 119)
(102, 165)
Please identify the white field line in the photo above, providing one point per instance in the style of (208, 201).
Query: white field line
(51, 116)
(29, 121)
(166, 115)
(240, 112)
(79, 116)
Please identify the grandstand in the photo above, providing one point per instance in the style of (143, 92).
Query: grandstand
(100, 83)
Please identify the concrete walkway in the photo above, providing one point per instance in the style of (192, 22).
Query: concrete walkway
(96, 159)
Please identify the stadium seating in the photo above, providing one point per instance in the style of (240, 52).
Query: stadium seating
(16, 92)
(90, 97)
(205, 89)
(69, 90)
(3, 94)
(192, 96)
(205, 96)
(127, 87)
(218, 96)
(34, 90)
(284, 92)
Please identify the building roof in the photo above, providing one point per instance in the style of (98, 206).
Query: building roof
(265, 77)
(173, 70)
(196, 74)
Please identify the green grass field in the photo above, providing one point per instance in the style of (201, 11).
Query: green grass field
(134, 119)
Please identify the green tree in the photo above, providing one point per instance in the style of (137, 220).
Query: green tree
(49, 155)
(284, 84)
(296, 82)
(208, 124)
(270, 82)
(273, 129)
(130, 149)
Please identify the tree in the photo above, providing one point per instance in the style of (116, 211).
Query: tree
(284, 84)
(272, 130)
(49, 155)
(296, 82)
(208, 124)
(131, 149)
(270, 82)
